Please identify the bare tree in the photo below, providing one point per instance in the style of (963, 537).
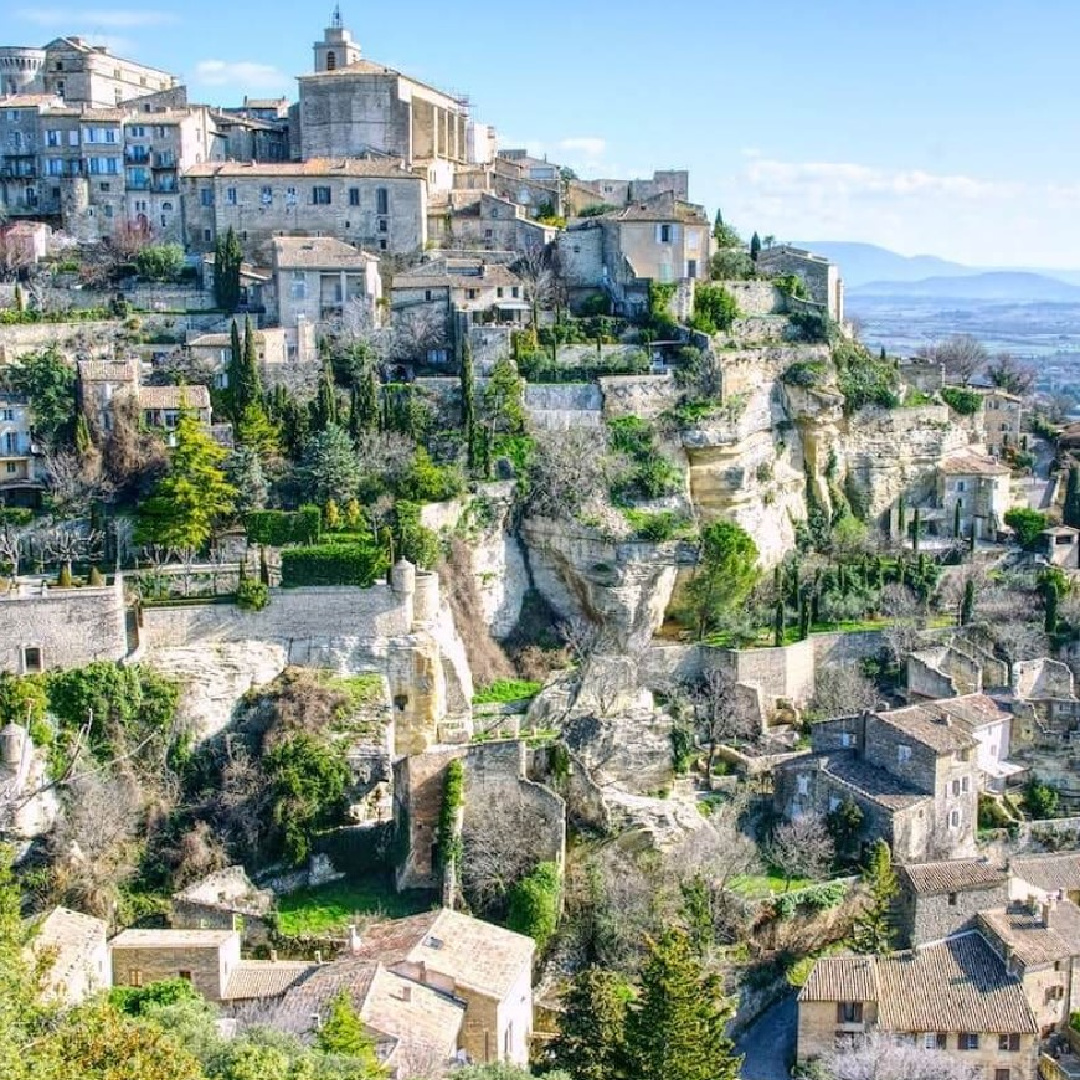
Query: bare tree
(538, 269)
(903, 632)
(801, 847)
(1008, 374)
(416, 332)
(722, 713)
(65, 544)
(963, 356)
(75, 480)
(12, 542)
(579, 636)
(720, 851)
(880, 1056)
(570, 469)
(15, 255)
(842, 690)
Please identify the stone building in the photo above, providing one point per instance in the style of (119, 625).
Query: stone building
(940, 899)
(486, 966)
(373, 203)
(913, 773)
(88, 74)
(1061, 547)
(20, 68)
(483, 221)
(77, 956)
(160, 407)
(21, 475)
(224, 900)
(955, 996)
(212, 353)
(204, 958)
(662, 240)
(1002, 416)
(1039, 941)
(350, 106)
(103, 382)
(980, 485)
(663, 181)
(1043, 876)
(318, 278)
(820, 277)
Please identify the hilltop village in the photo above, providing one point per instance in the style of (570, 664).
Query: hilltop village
(460, 616)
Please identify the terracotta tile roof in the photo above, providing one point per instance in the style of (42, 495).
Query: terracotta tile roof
(456, 273)
(27, 101)
(1027, 936)
(973, 710)
(952, 875)
(174, 397)
(969, 463)
(475, 954)
(662, 207)
(109, 371)
(254, 980)
(73, 938)
(318, 251)
(841, 978)
(211, 341)
(872, 783)
(171, 939)
(922, 724)
(386, 168)
(959, 984)
(1048, 872)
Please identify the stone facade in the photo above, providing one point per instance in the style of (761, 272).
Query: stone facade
(820, 277)
(79, 72)
(205, 958)
(1002, 418)
(937, 900)
(378, 204)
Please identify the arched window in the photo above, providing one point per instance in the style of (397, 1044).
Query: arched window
(331, 60)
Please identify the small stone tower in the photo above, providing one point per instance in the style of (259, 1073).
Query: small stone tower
(337, 48)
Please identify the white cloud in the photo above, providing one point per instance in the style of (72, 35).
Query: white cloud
(241, 73)
(587, 146)
(980, 220)
(109, 18)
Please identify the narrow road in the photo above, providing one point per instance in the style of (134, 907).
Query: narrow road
(769, 1043)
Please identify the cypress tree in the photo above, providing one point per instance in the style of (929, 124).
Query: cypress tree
(902, 517)
(249, 389)
(468, 402)
(804, 617)
(592, 1028)
(235, 374)
(882, 355)
(874, 930)
(755, 247)
(1072, 498)
(916, 527)
(957, 526)
(676, 1029)
(354, 412)
(324, 407)
(1050, 605)
(20, 300)
(368, 399)
(778, 623)
(967, 604)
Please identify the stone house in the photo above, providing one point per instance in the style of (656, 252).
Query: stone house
(465, 289)
(204, 958)
(21, 475)
(1002, 415)
(981, 486)
(1042, 876)
(486, 222)
(350, 106)
(1061, 547)
(161, 406)
(991, 727)
(486, 966)
(940, 899)
(25, 243)
(318, 278)
(820, 277)
(410, 1020)
(956, 996)
(225, 900)
(1039, 941)
(620, 192)
(212, 353)
(77, 955)
(376, 203)
(80, 72)
(661, 240)
(913, 773)
(101, 383)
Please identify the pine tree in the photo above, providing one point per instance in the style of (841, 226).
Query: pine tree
(804, 617)
(194, 495)
(468, 402)
(245, 472)
(874, 930)
(901, 517)
(676, 1029)
(967, 604)
(916, 528)
(593, 1026)
(1072, 498)
(344, 1033)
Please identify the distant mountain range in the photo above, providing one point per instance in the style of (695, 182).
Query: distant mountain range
(875, 272)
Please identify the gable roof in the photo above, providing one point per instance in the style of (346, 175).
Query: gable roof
(970, 463)
(872, 783)
(254, 980)
(317, 251)
(923, 724)
(959, 984)
(456, 274)
(475, 954)
(195, 396)
(1033, 939)
(662, 207)
(172, 939)
(1048, 872)
(952, 875)
(387, 168)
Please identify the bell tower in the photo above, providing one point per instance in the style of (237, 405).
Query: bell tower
(337, 48)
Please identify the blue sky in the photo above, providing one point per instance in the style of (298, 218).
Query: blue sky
(945, 127)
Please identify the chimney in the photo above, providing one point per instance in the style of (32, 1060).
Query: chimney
(1048, 906)
(354, 939)
(406, 993)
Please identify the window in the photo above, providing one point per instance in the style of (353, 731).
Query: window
(955, 788)
(428, 295)
(665, 234)
(266, 195)
(508, 1040)
(55, 166)
(954, 819)
(967, 1040)
(1001, 1074)
(135, 977)
(299, 285)
(903, 754)
(230, 196)
(137, 132)
(961, 485)
(499, 292)
(1011, 1043)
(515, 292)
(934, 1040)
(803, 784)
(206, 196)
(963, 785)
(184, 976)
(32, 660)
(384, 225)
(207, 235)
(952, 899)
(331, 60)
(847, 739)
(849, 1012)
(1054, 993)
(320, 196)
(108, 210)
(691, 268)
(382, 245)
(11, 468)
(53, 138)
(471, 294)
(382, 201)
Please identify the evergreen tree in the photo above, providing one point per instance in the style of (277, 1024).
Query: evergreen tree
(874, 930)
(676, 1029)
(967, 604)
(1050, 604)
(593, 1026)
(368, 399)
(881, 355)
(252, 428)
(194, 495)
(958, 526)
(330, 466)
(344, 1033)
(354, 413)
(726, 573)
(324, 409)
(916, 528)
(20, 301)
(245, 472)
(778, 623)
(84, 444)
(234, 374)
(228, 259)
(901, 517)
(248, 389)
(468, 402)
(755, 247)
(1072, 498)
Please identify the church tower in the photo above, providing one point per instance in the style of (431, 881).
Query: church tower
(337, 48)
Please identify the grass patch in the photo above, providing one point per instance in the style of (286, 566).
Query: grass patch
(506, 691)
(326, 908)
(759, 886)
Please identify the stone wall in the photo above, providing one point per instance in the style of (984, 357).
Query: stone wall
(646, 396)
(926, 918)
(71, 627)
(756, 297)
(562, 406)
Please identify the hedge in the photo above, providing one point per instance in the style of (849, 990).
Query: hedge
(964, 402)
(277, 528)
(332, 564)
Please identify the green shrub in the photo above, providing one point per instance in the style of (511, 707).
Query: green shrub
(425, 481)
(252, 595)
(96, 578)
(656, 528)
(505, 691)
(964, 402)
(534, 905)
(276, 528)
(992, 814)
(865, 379)
(1040, 800)
(332, 564)
(804, 373)
(715, 309)
(135, 1000)
(453, 799)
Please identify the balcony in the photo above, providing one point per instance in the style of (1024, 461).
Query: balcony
(137, 155)
(163, 161)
